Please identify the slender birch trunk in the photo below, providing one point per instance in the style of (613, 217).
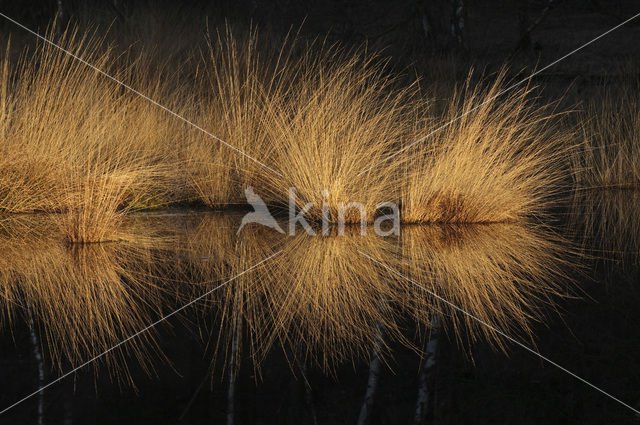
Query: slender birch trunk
(60, 17)
(426, 374)
(234, 365)
(372, 383)
(308, 397)
(68, 410)
(37, 354)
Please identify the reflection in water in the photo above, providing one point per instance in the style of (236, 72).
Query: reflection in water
(503, 274)
(320, 300)
(83, 299)
(607, 223)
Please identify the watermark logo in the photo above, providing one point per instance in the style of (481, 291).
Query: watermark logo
(260, 214)
(386, 219)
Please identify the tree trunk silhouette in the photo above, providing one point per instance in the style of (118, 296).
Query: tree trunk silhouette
(60, 17)
(372, 382)
(234, 365)
(425, 391)
(37, 355)
(443, 23)
(308, 397)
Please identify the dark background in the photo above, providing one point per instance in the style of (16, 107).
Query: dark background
(525, 33)
(597, 337)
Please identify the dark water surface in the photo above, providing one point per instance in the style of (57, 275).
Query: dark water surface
(292, 340)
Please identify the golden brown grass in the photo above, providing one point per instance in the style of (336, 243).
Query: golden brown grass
(501, 162)
(324, 292)
(239, 76)
(321, 300)
(209, 253)
(84, 299)
(505, 274)
(73, 142)
(609, 156)
(308, 300)
(344, 113)
(78, 143)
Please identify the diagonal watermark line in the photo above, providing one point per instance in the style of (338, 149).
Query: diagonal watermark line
(142, 95)
(162, 319)
(513, 340)
(511, 87)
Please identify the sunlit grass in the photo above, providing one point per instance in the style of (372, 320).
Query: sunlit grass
(609, 155)
(503, 160)
(345, 112)
(321, 300)
(84, 299)
(505, 275)
(317, 115)
(74, 143)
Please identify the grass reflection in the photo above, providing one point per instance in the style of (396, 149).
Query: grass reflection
(320, 300)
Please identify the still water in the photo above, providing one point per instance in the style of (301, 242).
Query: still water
(338, 329)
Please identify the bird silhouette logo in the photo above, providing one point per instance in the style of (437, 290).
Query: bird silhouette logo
(260, 214)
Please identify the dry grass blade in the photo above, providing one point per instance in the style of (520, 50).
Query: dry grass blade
(322, 301)
(75, 143)
(502, 162)
(504, 274)
(609, 156)
(84, 299)
(344, 111)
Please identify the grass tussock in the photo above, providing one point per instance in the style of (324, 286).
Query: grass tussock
(315, 115)
(83, 299)
(503, 160)
(344, 113)
(74, 143)
(321, 300)
(505, 274)
(609, 156)
(98, 201)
